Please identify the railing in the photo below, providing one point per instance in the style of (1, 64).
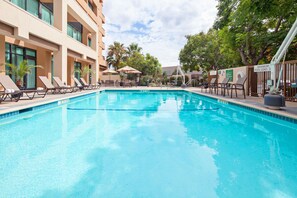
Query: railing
(37, 9)
(71, 31)
(287, 83)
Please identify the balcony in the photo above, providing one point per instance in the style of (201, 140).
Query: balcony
(103, 18)
(102, 61)
(102, 45)
(102, 31)
(74, 31)
(43, 11)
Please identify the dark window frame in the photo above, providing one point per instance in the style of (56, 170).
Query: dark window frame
(24, 55)
(91, 6)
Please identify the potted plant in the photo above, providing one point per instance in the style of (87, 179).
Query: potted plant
(84, 72)
(19, 72)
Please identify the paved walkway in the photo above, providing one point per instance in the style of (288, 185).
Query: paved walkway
(254, 102)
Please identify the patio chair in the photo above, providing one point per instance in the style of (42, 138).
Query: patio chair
(239, 85)
(213, 85)
(127, 83)
(61, 85)
(50, 87)
(116, 83)
(12, 91)
(223, 86)
(109, 83)
(79, 85)
(204, 86)
(294, 99)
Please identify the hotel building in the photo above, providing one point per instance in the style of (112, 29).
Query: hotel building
(60, 35)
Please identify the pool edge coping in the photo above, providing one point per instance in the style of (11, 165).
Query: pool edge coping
(16, 110)
(274, 113)
(263, 110)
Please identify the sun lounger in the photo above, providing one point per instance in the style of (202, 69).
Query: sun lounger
(61, 85)
(50, 87)
(12, 91)
(79, 85)
(85, 84)
(2, 95)
(239, 85)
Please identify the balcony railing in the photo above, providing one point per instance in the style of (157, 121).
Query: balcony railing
(71, 31)
(36, 8)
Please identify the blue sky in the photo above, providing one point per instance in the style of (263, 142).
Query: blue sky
(158, 26)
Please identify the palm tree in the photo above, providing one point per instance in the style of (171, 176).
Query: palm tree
(116, 53)
(84, 72)
(20, 71)
(133, 48)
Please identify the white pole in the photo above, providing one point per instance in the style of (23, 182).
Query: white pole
(281, 52)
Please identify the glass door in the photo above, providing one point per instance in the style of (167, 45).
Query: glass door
(30, 79)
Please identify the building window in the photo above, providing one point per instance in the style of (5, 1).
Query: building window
(44, 11)
(89, 42)
(91, 6)
(74, 29)
(77, 67)
(47, 13)
(15, 55)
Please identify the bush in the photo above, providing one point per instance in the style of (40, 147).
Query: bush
(145, 80)
(179, 80)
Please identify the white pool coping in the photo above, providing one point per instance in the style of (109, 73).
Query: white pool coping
(9, 107)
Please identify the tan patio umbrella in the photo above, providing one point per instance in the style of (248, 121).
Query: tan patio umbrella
(109, 71)
(135, 72)
(128, 69)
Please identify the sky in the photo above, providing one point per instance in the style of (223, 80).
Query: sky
(158, 26)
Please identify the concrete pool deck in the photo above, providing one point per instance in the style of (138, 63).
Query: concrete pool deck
(289, 111)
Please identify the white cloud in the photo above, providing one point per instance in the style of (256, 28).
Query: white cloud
(158, 26)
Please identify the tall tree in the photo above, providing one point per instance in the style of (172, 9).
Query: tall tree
(147, 64)
(115, 55)
(255, 28)
(207, 51)
(133, 48)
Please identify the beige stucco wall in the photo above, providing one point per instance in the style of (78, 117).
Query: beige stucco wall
(2, 54)
(25, 25)
(238, 71)
(43, 59)
(111, 77)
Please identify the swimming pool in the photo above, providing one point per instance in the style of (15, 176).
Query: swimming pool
(147, 144)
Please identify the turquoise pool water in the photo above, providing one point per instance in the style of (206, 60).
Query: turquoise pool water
(147, 144)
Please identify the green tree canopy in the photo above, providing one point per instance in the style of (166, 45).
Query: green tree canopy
(255, 28)
(246, 32)
(119, 56)
(133, 48)
(207, 50)
(116, 52)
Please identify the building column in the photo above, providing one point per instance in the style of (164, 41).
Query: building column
(95, 43)
(2, 54)
(60, 63)
(70, 71)
(95, 69)
(60, 15)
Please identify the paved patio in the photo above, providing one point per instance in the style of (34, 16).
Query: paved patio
(254, 102)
